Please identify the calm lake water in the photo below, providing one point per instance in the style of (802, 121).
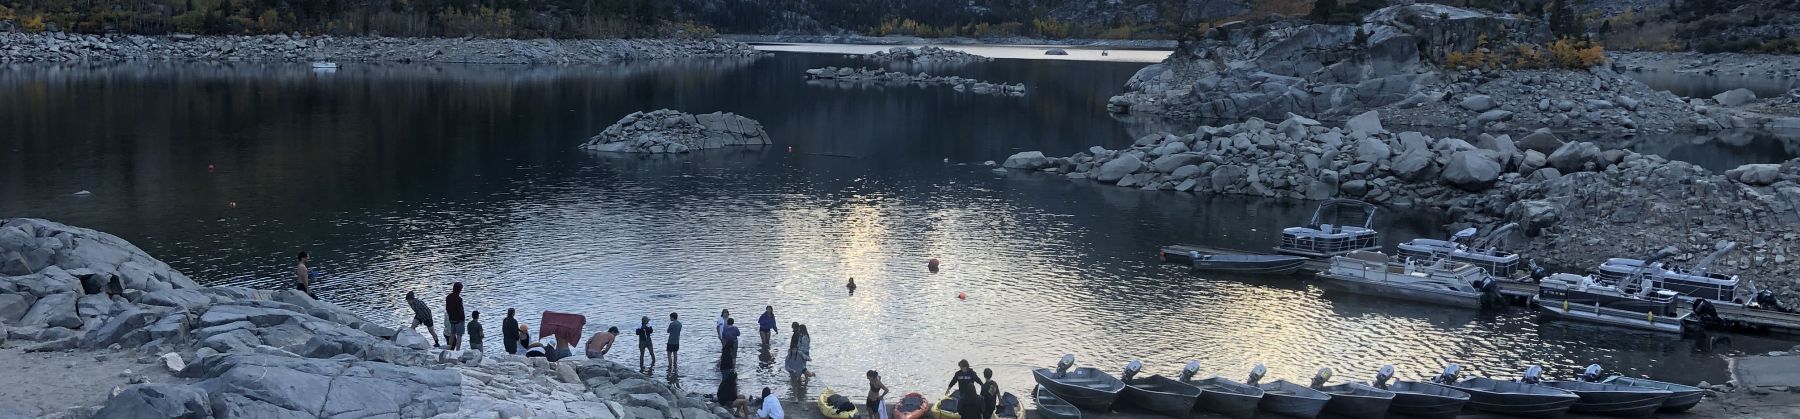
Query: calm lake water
(408, 177)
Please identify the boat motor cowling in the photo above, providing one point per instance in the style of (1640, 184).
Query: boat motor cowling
(1256, 374)
(1319, 379)
(1063, 365)
(1449, 374)
(1382, 376)
(1533, 375)
(1131, 369)
(1591, 374)
(1187, 372)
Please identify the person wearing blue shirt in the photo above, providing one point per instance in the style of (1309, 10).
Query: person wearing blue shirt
(766, 324)
(728, 350)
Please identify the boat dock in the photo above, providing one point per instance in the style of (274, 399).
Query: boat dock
(1518, 292)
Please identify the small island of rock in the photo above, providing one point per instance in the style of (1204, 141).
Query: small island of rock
(667, 131)
(926, 55)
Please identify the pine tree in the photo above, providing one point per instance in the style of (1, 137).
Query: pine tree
(1563, 21)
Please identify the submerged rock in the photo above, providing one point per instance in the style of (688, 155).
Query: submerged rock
(667, 131)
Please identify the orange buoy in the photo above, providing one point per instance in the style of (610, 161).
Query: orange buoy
(962, 295)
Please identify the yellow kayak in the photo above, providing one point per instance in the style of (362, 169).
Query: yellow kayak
(829, 398)
(948, 402)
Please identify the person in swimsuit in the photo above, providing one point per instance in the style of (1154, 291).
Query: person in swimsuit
(601, 343)
(877, 392)
(674, 339)
(968, 386)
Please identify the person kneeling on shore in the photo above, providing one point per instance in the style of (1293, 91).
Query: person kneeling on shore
(771, 406)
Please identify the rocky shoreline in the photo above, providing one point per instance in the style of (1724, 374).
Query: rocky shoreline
(871, 76)
(669, 131)
(1729, 63)
(65, 47)
(240, 352)
(926, 55)
(1578, 204)
(854, 39)
(1399, 61)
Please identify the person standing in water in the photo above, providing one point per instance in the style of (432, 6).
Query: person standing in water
(799, 352)
(765, 325)
(877, 392)
(967, 385)
(475, 332)
(674, 338)
(509, 331)
(719, 324)
(453, 317)
(643, 334)
(304, 274)
(728, 348)
(990, 393)
(422, 315)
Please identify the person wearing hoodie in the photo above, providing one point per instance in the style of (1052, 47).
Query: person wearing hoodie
(509, 333)
(453, 316)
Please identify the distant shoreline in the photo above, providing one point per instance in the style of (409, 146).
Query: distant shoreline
(74, 47)
(1147, 44)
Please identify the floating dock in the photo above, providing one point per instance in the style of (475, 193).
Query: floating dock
(1519, 292)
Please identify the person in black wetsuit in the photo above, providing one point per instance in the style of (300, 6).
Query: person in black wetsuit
(968, 391)
(509, 333)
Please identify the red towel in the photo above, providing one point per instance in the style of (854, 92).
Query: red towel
(567, 327)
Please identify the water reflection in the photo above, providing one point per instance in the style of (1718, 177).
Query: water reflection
(407, 179)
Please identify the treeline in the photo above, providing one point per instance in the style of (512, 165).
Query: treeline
(486, 18)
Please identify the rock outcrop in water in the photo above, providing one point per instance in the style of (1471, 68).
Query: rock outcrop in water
(59, 47)
(1392, 62)
(925, 55)
(1579, 204)
(667, 131)
(240, 352)
(960, 84)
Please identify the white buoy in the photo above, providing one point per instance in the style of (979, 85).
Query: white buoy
(83, 193)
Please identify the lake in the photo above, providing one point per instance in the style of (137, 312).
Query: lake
(410, 177)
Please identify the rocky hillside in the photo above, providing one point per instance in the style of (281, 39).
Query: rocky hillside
(1578, 204)
(236, 352)
(59, 47)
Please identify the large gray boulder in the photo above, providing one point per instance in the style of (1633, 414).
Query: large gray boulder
(14, 306)
(125, 329)
(1028, 160)
(1118, 168)
(1366, 123)
(1755, 174)
(1574, 157)
(61, 252)
(258, 385)
(1372, 150)
(1541, 140)
(54, 310)
(667, 131)
(1735, 97)
(1473, 170)
(1168, 164)
(1415, 165)
(1224, 176)
(157, 401)
(1478, 103)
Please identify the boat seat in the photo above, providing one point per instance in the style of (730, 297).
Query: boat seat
(1325, 228)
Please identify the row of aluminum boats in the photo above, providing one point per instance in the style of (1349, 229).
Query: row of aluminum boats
(1464, 270)
(1065, 391)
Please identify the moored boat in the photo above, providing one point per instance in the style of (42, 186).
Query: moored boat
(1051, 407)
(948, 407)
(1515, 398)
(1223, 396)
(837, 406)
(1420, 399)
(1499, 263)
(1084, 387)
(1286, 398)
(1157, 393)
(324, 65)
(1246, 264)
(1612, 399)
(1681, 398)
(1322, 239)
(911, 406)
(1695, 282)
(1357, 400)
(1442, 282)
(1582, 298)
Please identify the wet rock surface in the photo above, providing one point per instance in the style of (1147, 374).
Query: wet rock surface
(925, 55)
(240, 352)
(879, 76)
(61, 47)
(1578, 204)
(668, 131)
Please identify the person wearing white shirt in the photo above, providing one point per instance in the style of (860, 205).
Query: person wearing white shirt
(719, 324)
(771, 406)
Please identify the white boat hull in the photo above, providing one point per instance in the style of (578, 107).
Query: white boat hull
(1611, 317)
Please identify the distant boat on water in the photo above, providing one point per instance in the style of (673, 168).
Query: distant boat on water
(324, 65)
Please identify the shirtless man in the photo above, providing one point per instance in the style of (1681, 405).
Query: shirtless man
(601, 343)
(304, 275)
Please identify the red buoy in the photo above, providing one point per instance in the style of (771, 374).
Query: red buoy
(961, 295)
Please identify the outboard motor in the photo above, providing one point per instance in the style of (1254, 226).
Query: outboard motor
(1187, 372)
(1382, 376)
(1533, 375)
(1318, 381)
(1449, 374)
(1256, 374)
(1591, 374)
(1538, 273)
(1767, 301)
(1131, 369)
(1705, 311)
(1062, 366)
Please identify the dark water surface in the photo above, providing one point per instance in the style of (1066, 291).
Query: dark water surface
(408, 177)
